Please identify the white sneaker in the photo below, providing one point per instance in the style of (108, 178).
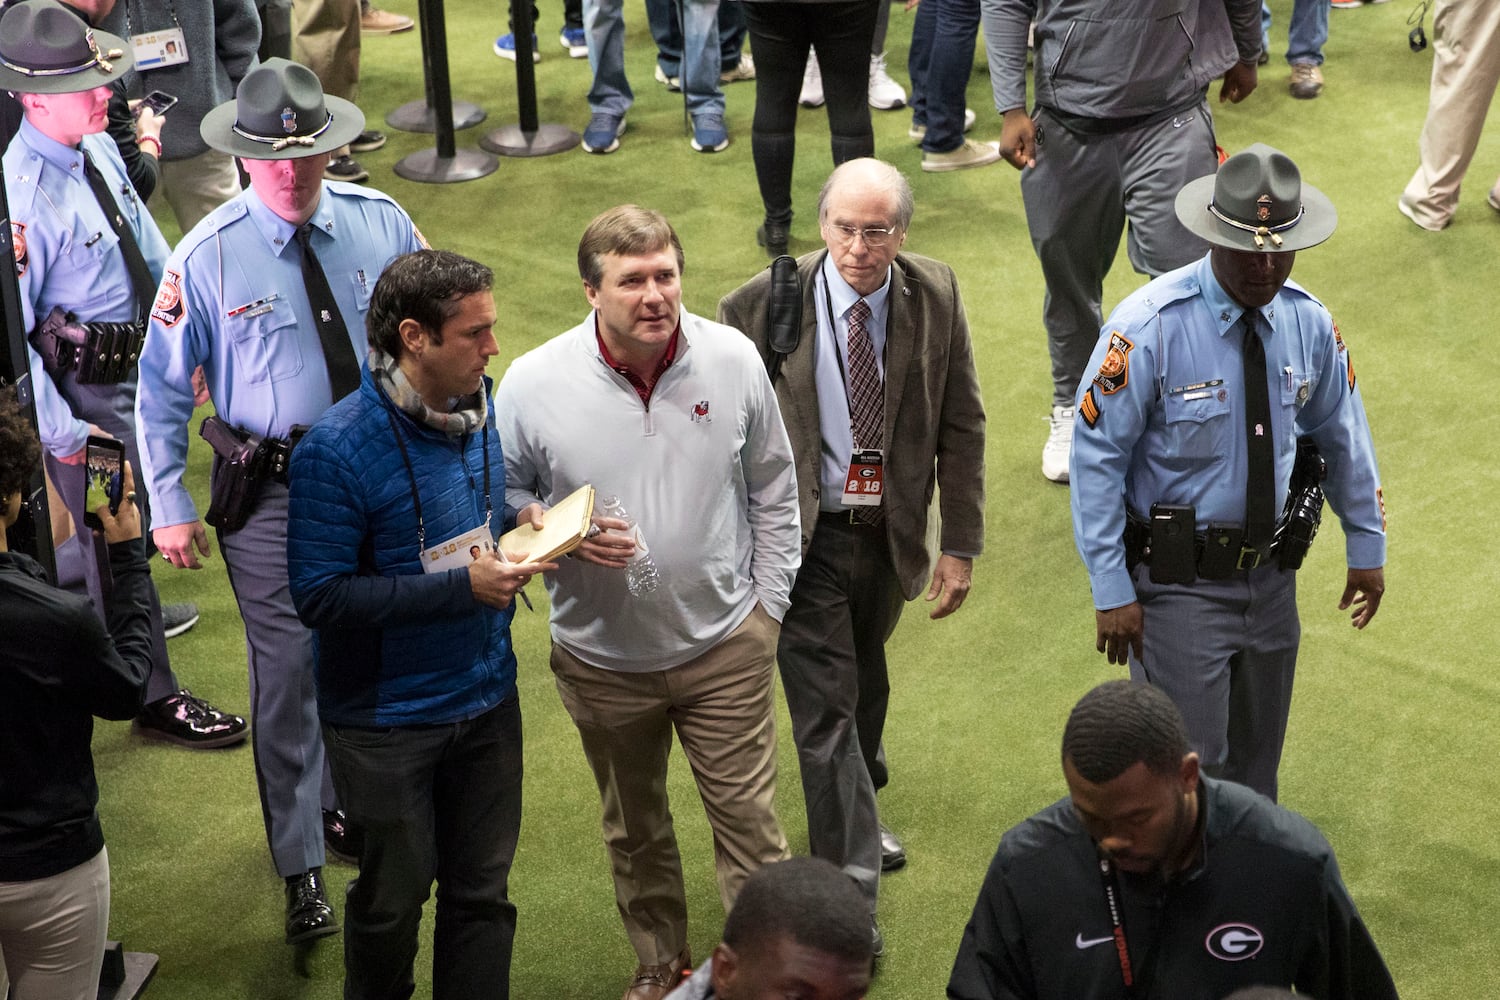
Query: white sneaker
(812, 84)
(1059, 447)
(919, 132)
(885, 93)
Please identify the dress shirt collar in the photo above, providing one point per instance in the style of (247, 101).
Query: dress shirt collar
(279, 233)
(1226, 310)
(68, 159)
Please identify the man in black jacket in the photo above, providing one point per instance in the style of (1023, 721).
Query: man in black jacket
(58, 669)
(1152, 880)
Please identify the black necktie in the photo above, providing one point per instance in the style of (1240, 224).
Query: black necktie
(140, 274)
(338, 353)
(1260, 449)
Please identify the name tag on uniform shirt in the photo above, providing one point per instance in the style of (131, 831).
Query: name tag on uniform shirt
(864, 483)
(155, 49)
(459, 551)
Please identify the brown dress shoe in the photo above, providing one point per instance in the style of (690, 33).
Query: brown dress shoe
(653, 982)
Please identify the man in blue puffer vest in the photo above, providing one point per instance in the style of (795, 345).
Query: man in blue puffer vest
(390, 491)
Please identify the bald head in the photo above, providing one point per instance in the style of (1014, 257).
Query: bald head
(864, 177)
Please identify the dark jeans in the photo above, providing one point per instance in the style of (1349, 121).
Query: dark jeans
(940, 61)
(434, 802)
(572, 16)
(666, 29)
(780, 33)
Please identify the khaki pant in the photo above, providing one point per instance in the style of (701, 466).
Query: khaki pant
(1465, 72)
(722, 705)
(325, 39)
(52, 933)
(198, 185)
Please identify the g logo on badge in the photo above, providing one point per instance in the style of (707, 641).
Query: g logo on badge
(1234, 942)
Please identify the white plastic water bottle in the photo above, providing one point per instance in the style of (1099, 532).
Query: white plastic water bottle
(640, 572)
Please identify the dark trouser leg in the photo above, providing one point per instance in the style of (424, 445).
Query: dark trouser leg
(1157, 162)
(842, 42)
(836, 699)
(780, 40)
(955, 28)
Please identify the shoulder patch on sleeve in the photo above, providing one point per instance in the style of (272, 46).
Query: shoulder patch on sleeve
(1114, 370)
(168, 308)
(1088, 408)
(18, 245)
(1338, 338)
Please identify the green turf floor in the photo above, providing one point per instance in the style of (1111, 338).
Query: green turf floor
(1392, 747)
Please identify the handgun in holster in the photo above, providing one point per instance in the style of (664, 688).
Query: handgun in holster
(237, 474)
(1304, 506)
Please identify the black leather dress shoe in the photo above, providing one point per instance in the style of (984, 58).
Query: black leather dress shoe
(892, 854)
(340, 839)
(308, 915)
(773, 236)
(189, 721)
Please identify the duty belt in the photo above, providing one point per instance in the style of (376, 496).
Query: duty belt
(101, 353)
(1138, 545)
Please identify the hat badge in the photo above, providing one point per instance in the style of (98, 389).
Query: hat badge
(1263, 207)
(288, 120)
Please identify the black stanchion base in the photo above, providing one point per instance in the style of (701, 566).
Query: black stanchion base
(509, 140)
(430, 168)
(125, 973)
(416, 116)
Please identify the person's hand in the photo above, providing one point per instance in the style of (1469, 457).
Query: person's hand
(1018, 139)
(495, 581)
(1239, 81)
(125, 524)
(200, 387)
(1363, 591)
(531, 514)
(148, 125)
(177, 543)
(1118, 633)
(950, 584)
(81, 455)
(611, 547)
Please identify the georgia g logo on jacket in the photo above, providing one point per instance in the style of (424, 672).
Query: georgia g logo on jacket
(1234, 942)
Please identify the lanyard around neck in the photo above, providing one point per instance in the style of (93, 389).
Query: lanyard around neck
(411, 476)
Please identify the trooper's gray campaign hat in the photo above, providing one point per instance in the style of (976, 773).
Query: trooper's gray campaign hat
(280, 112)
(45, 48)
(1257, 202)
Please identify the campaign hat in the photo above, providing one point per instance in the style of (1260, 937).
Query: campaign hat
(45, 48)
(1257, 201)
(280, 112)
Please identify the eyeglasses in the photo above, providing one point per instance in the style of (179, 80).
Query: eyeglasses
(875, 237)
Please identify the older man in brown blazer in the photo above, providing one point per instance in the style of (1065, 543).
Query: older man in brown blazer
(881, 400)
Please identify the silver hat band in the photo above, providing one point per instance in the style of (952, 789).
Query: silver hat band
(1259, 232)
(280, 142)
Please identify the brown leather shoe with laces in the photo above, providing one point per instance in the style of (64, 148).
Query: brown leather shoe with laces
(653, 982)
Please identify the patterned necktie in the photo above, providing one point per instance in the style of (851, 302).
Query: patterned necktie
(866, 400)
(338, 353)
(135, 262)
(1260, 476)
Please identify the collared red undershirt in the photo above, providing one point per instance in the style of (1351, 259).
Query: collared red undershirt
(643, 388)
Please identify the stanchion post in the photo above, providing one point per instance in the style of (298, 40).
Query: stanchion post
(529, 138)
(445, 164)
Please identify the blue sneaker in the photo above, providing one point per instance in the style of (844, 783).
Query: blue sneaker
(575, 41)
(709, 133)
(505, 47)
(603, 133)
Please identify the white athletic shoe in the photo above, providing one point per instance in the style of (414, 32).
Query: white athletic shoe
(812, 84)
(885, 94)
(1059, 447)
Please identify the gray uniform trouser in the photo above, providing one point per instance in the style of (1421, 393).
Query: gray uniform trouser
(111, 408)
(1079, 196)
(845, 604)
(1225, 651)
(290, 769)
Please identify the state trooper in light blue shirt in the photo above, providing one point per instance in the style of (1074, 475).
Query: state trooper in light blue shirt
(71, 261)
(1163, 422)
(233, 299)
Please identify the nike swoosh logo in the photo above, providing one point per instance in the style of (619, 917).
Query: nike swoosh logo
(1081, 944)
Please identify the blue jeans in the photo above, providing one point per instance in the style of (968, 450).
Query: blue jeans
(941, 58)
(1307, 33)
(437, 803)
(666, 29)
(610, 93)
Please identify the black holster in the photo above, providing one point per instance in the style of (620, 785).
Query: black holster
(237, 475)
